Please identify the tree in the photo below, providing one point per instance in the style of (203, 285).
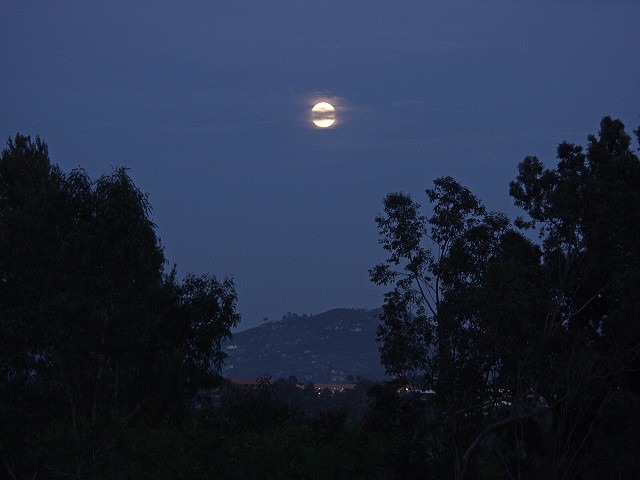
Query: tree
(587, 210)
(95, 333)
(437, 323)
(504, 330)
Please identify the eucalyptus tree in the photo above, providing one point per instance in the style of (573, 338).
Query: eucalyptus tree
(587, 213)
(505, 330)
(440, 324)
(95, 333)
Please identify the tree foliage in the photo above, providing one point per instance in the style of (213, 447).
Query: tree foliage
(505, 330)
(587, 213)
(95, 334)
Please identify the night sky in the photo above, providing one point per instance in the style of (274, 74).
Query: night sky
(208, 103)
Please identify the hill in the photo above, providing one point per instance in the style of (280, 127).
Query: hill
(334, 346)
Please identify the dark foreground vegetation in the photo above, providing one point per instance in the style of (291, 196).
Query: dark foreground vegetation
(521, 342)
(532, 347)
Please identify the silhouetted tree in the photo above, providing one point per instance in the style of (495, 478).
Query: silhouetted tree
(94, 333)
(588, 213)
(437, 323)
(505, 331)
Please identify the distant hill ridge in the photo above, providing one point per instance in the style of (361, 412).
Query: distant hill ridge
(334, 346)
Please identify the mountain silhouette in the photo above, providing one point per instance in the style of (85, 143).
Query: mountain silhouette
(335, 346)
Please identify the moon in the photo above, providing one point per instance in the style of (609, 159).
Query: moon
(323, 115)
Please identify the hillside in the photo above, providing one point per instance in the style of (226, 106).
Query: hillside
(333, 346)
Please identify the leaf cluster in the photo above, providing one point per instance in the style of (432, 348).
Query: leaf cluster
(96, 335)
(484, 317)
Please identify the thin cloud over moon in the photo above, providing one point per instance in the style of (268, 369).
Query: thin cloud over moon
(323, 115)
(318, 110)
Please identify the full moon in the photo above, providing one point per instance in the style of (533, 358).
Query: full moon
(323, 114)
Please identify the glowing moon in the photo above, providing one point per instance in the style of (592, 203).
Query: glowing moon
(323, 115)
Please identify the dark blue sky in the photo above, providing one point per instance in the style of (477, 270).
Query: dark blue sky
(207, 103)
